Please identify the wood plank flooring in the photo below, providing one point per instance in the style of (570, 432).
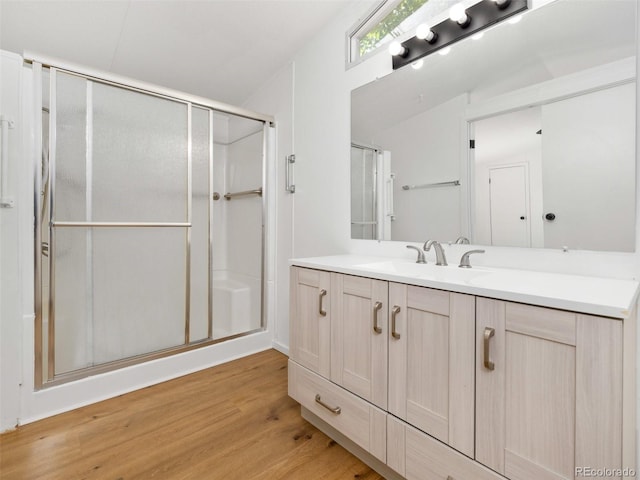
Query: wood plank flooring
(233, 421)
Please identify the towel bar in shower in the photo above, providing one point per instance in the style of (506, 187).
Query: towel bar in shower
(453, 183)
(257, 191)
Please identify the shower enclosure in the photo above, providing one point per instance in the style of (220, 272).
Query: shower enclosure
(371, 193)
(149, 224)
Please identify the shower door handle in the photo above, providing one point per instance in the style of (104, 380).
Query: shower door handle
(290, 186)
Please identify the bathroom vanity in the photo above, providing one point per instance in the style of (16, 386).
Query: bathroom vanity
(433, 372)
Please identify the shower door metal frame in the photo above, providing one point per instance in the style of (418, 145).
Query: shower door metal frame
(38, 62)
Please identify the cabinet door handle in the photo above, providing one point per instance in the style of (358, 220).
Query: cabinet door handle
(321, 311)
(394, 313)
(335, 410)
(376, 308)
(488, 333)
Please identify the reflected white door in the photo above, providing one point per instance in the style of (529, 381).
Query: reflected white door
(508, 187)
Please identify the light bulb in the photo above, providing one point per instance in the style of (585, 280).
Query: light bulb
(395, 48)
(417, 65)
(514, 20)
(444, 51)
(459, 15)
(424, 32)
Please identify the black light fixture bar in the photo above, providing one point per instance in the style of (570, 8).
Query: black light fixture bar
(481, 16)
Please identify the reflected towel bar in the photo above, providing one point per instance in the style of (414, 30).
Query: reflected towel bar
(257, 191)
(453, 183)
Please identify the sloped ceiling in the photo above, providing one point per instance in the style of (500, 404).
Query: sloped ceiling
(220, 49)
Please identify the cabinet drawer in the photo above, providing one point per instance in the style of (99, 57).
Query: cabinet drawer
(357, 419)
(429, 459)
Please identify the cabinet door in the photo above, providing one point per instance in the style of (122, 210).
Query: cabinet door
(548, 391)
(359, 336)
(310, 319)
(417, 456)
(431, 362)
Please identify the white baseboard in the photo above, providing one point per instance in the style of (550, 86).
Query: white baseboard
(281, 347)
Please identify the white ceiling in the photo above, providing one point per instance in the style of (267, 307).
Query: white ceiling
(220, 49)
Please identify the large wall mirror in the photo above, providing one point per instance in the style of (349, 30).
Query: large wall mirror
(522, 137)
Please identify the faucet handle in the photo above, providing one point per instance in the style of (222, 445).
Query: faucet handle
(421, 258)
(464, 261)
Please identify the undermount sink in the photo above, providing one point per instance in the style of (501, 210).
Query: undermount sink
(450, 273)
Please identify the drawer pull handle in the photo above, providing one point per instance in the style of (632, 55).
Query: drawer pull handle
(376, 308)
(321, 311)
(335, 410)
(394, 313)
(488, 333)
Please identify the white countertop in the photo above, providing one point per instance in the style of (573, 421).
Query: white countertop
(593, 295)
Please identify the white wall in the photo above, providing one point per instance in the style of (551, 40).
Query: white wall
(322, 137)
(10, 272)
(426, 149)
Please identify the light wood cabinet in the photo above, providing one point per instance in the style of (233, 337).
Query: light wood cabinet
(359, 336)
(548, 391)
(431, 362)
(310, 310)
(359, 420)
(417, 456)
(449, 386)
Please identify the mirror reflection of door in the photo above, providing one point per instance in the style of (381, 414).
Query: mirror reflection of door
(508, 193)
(508, 185)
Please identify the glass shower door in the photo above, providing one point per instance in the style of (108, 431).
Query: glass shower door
(120, 216)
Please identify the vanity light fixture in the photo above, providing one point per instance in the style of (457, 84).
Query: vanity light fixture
(398, 50)
(424, 32)
(463, 22)
(459, 15)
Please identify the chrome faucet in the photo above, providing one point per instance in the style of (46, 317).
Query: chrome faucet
(421, 258)
(440, 258)
(462, 240)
